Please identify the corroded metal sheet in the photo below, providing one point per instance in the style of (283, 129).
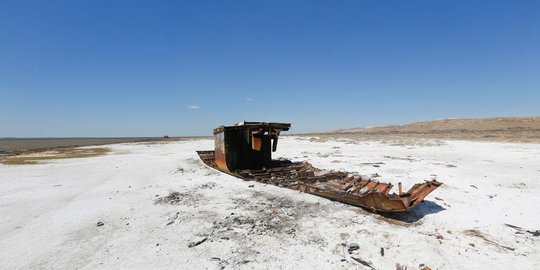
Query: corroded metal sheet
(244, 150)
(219, 145)
(339, 186)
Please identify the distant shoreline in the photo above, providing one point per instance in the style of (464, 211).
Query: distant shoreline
(13, 145)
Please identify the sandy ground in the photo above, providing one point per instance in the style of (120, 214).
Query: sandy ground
(161, 207)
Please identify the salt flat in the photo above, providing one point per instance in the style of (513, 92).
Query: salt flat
(49, 212)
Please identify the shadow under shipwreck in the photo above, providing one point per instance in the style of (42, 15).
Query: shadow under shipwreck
(415, 214)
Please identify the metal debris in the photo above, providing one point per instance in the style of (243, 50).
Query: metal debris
(365, 263)
(521, 230)
(243, 150)
(197, 242)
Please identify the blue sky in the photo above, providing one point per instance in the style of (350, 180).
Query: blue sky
(150, 68)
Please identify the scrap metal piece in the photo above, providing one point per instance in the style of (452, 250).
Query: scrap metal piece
(243, 150)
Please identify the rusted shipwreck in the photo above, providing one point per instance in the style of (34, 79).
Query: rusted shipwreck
(244, 150)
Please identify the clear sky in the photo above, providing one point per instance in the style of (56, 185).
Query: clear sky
(144, 68)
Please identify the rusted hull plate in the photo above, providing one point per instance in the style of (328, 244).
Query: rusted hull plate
(339, 186)
(220, 157)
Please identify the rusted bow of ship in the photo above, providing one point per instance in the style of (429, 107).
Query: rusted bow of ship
(244, 151)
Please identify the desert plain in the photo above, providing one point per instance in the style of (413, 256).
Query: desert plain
(150, 205)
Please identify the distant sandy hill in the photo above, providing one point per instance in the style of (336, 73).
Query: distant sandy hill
(499, 128)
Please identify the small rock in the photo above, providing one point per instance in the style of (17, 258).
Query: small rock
(353, 247)
(251, 185)
(473, 186)
(246, 226)
(99, 224)
(288, 230)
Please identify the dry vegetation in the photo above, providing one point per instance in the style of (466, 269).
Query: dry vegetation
(37, 156)
(511, 129)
